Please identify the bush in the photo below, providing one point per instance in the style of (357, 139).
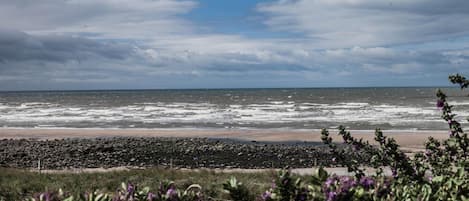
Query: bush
(439, 173)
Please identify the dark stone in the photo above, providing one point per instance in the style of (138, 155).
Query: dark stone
(153, 152)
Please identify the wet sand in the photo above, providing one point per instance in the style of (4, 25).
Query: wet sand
(407, 139)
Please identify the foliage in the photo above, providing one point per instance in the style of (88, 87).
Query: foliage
(17, 184)
(237, 191)
(440, 173)
(129, 192)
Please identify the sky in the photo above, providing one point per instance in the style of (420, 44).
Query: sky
(165, 44)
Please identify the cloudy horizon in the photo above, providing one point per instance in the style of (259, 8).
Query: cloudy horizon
(165, 44)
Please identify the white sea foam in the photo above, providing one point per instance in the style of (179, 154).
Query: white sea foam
(396, 109)
(272, 112)
(458, 103)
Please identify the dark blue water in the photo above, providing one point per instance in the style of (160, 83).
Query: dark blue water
(357, 108)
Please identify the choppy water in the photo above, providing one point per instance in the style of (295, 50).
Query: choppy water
(357, 108)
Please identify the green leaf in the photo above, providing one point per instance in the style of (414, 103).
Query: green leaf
(359, 192)
(437, 179)
(464, 198)
(91, 197)
(322, 174)
(71, 198)
(193, 187)
(98, 197)
(144, 191)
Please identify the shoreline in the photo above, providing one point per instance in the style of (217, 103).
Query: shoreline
(405, 138)
(105, 148)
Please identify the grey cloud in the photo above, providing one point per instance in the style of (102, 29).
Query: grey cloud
(357, 67)
(19, 46)
(57, 61)
(424, 7)
(267, 68)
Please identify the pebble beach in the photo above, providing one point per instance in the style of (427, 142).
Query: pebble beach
(226, 149)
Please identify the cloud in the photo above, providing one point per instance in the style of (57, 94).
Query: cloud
(18, 46)
(138, 19)
(344, 24)
(85, 44)
(41, 61)
(51, 61)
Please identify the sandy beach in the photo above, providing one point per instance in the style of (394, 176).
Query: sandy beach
(407, 139)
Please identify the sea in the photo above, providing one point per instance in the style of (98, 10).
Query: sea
(388, 108)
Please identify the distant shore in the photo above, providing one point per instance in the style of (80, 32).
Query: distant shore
(406, 138)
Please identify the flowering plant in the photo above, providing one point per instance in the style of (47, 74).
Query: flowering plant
(439, 173)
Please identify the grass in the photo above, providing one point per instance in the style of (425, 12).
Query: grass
(17, 184)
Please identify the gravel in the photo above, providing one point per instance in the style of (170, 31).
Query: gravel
(162, 152)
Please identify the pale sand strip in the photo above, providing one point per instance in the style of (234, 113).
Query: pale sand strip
(300, 171)
(407, 139)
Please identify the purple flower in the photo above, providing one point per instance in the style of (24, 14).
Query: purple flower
(328, 185)
(367, 182)
(171, 193)
(345, 179)
(266, 195)
(440, 104)
(331, 196)
(394, 173)
(329, 182)
(151, 196)
(46, 196)
(346, 184)
(286, 181)
(130, 188)
(430, 178)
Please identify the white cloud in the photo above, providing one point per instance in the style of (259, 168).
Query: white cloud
(137, 19)
(339, 24)
(400, 68)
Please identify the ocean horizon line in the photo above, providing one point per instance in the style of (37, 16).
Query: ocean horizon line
(217, 89)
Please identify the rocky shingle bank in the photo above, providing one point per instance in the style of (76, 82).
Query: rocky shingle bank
(162, 152)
